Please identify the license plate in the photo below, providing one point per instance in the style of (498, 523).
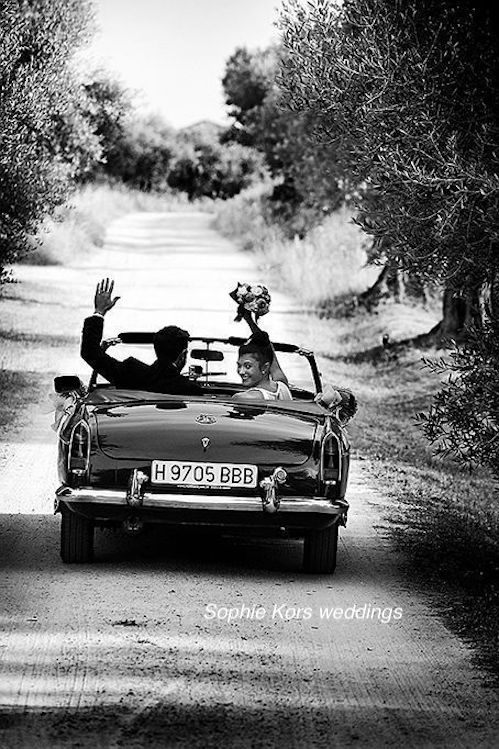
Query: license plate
(220, 475)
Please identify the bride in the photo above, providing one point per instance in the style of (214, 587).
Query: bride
(259, 369)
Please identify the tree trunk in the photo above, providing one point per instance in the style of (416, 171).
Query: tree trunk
(390, 284)
(460, 309)
(460, 312)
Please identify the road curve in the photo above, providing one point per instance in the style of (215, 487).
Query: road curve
(137, 649)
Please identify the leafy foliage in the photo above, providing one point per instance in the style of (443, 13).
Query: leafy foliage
(407, 91)
(152, 156)
(204, 166)
(247, 81)
(463, 420)
(45, 140)
(307, 184)
(106, 107)
(142, 153)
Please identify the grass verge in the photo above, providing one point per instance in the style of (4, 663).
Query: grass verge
(80, 225)
(329, 262)
(18, 389)
(444, 519)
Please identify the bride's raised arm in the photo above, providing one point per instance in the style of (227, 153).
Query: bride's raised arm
(275, 368)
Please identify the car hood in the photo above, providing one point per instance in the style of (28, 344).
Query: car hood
(176, 430)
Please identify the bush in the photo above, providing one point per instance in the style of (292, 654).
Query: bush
(327, 263)
(81, 224)
(463, 420)
(245, 218)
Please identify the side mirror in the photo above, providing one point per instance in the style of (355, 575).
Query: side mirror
(67, 384)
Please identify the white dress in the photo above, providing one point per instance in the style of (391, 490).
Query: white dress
(282, 393)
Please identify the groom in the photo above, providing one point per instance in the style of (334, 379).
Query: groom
(170, 345)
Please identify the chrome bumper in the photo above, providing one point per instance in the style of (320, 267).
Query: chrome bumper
(199, 502)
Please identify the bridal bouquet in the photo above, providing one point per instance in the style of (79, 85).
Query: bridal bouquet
(253, 298)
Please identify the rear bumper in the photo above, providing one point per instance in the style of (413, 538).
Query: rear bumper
(186, 509)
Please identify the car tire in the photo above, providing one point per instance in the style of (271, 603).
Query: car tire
(319, 551)
(77, 538)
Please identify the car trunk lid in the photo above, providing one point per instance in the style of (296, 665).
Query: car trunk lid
(200, 431)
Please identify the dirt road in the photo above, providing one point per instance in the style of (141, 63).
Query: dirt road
(137, 650)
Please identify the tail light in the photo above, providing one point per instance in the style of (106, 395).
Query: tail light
(79, 449)
(331, 459)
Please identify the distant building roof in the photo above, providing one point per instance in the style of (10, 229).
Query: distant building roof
(204, 125)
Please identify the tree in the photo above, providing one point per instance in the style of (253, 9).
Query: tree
(203, 166)
(142, 155)
(248, 78)
(146, 153)
(407, 92)
(107, 108)
(306, 180)
(463, 418)
(38, 88)
(238, 167)
(407, 89)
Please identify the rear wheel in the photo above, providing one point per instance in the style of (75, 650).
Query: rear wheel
(77, 538)
(319, 552)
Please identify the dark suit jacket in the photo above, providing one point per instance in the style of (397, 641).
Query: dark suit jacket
(131, 373)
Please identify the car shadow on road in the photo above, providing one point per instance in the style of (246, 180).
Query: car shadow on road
(191, 550)
(173, 724)
(31, 542)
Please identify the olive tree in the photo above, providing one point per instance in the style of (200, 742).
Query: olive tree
(463, 420)
(43, 133)
(306, 179)
(406, 89)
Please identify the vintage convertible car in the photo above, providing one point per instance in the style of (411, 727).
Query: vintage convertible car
(131, 458)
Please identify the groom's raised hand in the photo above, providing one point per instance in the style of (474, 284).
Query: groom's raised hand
(103, 299)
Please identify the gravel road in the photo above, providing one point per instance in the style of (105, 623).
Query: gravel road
(137, 650)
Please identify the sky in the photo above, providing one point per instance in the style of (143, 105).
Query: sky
(174, 51)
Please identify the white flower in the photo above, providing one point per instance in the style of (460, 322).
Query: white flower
(257, 290)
